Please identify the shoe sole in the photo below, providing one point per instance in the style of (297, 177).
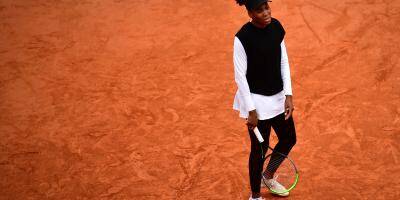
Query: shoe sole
(281, 195)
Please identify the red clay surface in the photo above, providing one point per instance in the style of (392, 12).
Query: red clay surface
(133, 99)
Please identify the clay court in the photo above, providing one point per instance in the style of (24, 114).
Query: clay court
(133, 99)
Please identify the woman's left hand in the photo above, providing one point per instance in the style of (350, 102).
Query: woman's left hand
(288, 106)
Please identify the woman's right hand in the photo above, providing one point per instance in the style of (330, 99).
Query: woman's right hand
(252, 120)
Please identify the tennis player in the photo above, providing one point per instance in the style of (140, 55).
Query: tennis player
(264, 95)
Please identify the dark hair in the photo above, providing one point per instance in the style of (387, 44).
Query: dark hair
(241, 2)
(251, 4)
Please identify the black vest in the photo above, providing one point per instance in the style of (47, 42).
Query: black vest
(263, 51)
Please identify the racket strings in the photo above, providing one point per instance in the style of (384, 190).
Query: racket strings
(281, 169)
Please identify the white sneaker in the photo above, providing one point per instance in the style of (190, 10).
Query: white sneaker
(272, 184)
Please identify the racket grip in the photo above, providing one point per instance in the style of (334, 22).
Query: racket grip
(258, 135)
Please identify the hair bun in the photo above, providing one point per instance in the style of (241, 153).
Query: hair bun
(241, 2)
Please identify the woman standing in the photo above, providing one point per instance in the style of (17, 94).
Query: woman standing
(264, 95)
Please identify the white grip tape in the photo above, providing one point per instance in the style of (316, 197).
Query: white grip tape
(258, 135)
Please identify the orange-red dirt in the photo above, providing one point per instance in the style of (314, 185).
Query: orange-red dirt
(133, 99)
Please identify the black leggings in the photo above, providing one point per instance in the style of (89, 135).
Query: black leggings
(286, 133)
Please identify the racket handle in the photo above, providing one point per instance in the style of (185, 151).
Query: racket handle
(258, 135)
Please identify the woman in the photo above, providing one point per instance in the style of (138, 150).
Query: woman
(264, 95)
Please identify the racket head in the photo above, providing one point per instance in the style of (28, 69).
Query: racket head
(283, 170)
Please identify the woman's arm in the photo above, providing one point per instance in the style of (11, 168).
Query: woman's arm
(285, 70)
(287, 85)
(240, 65)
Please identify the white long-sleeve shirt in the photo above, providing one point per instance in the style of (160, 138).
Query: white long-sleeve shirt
(266, 106)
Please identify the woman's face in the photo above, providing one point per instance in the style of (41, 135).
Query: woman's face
(261, 15)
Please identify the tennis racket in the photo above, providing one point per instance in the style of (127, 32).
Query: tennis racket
(280, 174)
